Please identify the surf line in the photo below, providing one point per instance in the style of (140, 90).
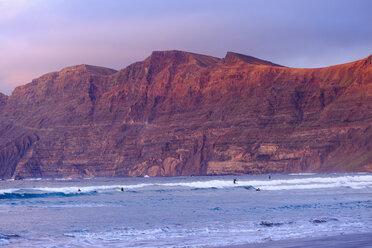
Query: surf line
(257, 189)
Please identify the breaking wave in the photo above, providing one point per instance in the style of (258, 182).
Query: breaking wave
(353, 182)
(214, 235)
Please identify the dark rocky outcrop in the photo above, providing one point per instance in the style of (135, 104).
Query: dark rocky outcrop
(3, 100)
(179, 113)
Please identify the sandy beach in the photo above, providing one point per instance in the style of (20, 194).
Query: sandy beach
(341, 241)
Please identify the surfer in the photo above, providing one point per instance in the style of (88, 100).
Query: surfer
(269, 177)
(79, 190)
(258, 189)
(234, 181)
(122, 189)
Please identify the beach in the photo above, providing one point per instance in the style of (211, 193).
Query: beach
(363, 240)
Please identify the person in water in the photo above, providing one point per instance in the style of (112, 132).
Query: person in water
(234, 181)
(269, 177)
(122, 189)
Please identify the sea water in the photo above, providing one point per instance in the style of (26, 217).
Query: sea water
(182, 211)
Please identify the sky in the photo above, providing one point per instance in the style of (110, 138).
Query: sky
(40, 36)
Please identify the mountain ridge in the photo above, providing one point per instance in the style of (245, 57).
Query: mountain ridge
(367, 60)
(179, 113)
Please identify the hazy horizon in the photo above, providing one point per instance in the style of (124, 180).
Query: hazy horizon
(41, 36)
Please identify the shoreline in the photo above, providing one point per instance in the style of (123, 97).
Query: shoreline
(359, 240)
(58, 178)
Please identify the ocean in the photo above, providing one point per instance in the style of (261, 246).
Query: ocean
(208, 211)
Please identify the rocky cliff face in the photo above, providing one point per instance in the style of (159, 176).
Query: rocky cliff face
(178, 113)
(3, 100)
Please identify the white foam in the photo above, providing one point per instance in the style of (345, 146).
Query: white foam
(69, 190)
(4, 242)
(302, 174)
(214, 234)
(33, 179)
(350, 181)
(63, 179)
(356, 182)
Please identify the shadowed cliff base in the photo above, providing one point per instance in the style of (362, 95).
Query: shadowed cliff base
(179, 113)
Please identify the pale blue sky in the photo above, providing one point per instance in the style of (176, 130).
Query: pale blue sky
(39, 36)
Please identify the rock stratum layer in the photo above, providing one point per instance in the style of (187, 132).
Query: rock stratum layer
(179, 113)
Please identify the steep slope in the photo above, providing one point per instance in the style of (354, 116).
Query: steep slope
(233, 58)
(179, 113)
(3, 100)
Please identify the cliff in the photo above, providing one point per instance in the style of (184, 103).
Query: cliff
(3, 100)
(179, 113)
